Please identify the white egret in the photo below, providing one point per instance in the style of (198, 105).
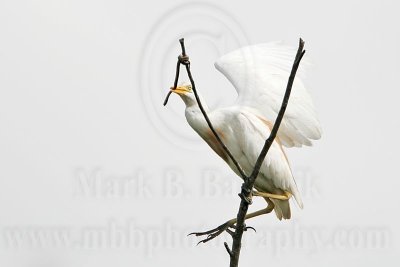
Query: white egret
(259, 74)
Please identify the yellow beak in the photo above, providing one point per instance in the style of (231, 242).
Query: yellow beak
(181, 90)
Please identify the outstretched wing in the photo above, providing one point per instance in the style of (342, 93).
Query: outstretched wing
(260, 74)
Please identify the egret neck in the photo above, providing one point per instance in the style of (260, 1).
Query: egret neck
(192, 112)
(197, 121)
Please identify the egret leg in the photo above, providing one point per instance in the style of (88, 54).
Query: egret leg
(213, 233)
(285, 196)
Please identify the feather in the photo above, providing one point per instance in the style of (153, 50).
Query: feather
(259, 74)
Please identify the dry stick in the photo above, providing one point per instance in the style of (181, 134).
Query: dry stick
(184, 59)
(178, 65)
(247, 186)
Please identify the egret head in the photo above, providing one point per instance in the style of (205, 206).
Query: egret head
(186, 93)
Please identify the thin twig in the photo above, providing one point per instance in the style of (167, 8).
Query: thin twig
(185, 61)
(178, 67)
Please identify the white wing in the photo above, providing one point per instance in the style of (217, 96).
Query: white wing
(245, 134)
(260, 74)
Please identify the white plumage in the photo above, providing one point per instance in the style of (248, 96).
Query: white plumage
(260, 74)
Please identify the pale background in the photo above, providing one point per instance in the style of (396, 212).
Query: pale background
(94, 171)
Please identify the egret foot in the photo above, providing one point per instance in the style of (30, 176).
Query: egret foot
(213, 233)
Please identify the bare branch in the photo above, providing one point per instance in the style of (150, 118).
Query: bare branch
(285, 101)
(178, 67)
(248, 184)
(184, 59)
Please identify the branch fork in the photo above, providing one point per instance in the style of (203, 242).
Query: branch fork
(248, 184)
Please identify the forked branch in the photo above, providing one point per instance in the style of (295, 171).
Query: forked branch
(249, 181)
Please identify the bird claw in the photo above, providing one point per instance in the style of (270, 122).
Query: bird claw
(213, 233)
(245, 228)
(250, 227)
(225, 227)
